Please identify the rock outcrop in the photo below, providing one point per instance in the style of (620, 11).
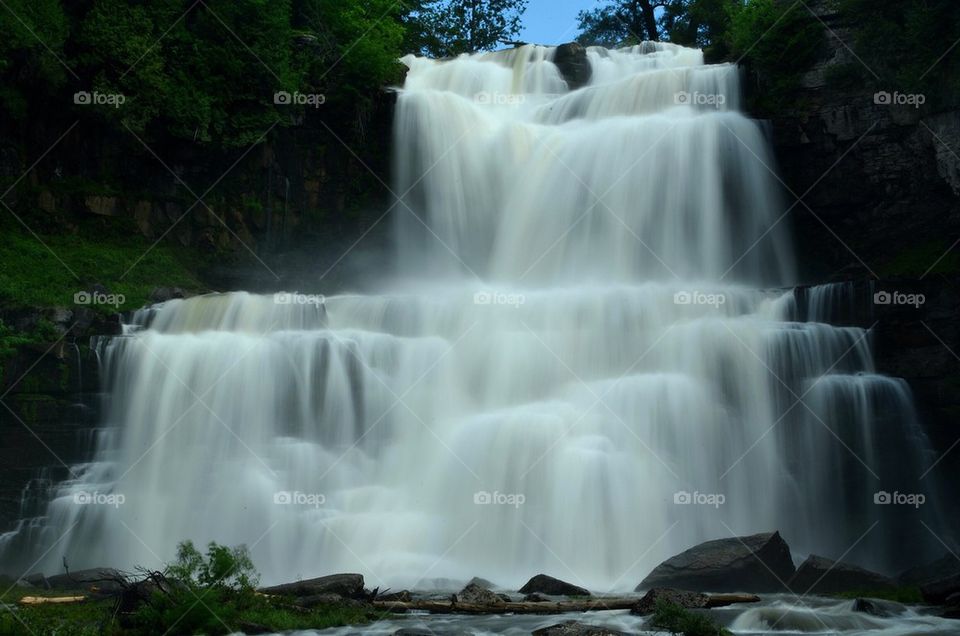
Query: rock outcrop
(819, 575)
(553, 587)
(757, 563)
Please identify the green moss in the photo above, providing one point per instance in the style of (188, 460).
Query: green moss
(918, 259)
(47, 271)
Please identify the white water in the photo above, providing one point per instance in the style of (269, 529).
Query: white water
(545, 351)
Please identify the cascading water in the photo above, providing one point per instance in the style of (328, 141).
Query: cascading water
(585, 351)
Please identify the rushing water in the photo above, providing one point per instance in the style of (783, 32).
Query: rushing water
(601, 331)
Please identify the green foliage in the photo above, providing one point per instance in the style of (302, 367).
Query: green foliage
(907, 44)
(672, 618)
(918, 260)
(215, 595)
(223, 567)
(32, 37)
(35, 276)
(446, 28)
(779, 42)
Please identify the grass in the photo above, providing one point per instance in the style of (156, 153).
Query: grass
(90, 618)
(39, 271)
(672, 618)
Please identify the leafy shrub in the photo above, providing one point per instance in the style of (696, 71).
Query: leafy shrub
(672, 618)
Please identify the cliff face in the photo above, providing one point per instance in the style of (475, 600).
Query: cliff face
(878, 184)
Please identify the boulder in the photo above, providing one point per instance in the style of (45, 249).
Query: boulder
(757, 563)
(944, 567)
(403, 596)
(686, 600)
(819, 575)
(571, 60)
(345, 585)
(937, 592)
(484, 583)
(554, 587)
(573, 628)
(476, 595)
(92, 580)
(878, 607)
(536, 598)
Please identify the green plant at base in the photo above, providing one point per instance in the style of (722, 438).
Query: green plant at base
(672, 618)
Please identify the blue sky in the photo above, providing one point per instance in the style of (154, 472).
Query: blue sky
(552, 21)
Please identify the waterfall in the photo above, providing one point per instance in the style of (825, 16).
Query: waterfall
(590, 359)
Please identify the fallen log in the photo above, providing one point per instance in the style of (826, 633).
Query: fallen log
(545, 607)
(44, 600)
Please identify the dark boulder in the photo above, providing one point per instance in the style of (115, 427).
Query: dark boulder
(944, 567)
(403, 596)
(819, 575)
(554, 587)
(536, 598)
(683, 598)
(573, 628)
(571, 59)
(94, 580)
(476, 595)
(345, 585)
(937, 592)
(878, 607)
(757, 563)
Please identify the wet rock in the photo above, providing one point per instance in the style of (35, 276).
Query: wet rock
(474, 594)
(878, 607)
(944, 567)
(536, 598)
(484, 583)
(683, 598)
(573, 628)
(163, 294)
(756, 563)
(403, 596)
(937, 592)
(819, 575)
(92, 580)
(554, 587)
(345, 585)
(571, 60)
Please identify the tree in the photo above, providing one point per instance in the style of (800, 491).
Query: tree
(620, 22)
(701, 23)
(446, 28)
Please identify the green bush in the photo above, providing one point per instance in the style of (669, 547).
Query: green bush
(672, 618)
(777, 41)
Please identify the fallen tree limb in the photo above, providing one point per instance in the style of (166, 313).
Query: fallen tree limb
(44, 600)
(546, 607)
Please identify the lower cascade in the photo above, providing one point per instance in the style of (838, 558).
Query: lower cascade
(601, 363)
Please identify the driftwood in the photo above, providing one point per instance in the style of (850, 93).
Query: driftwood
(55, 600)
(547, 607)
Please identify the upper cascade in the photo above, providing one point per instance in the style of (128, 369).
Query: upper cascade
(647, 172)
